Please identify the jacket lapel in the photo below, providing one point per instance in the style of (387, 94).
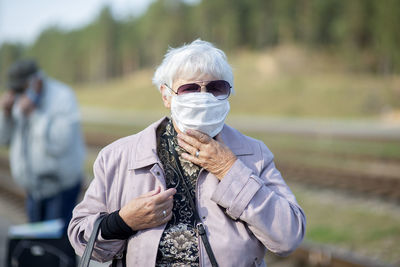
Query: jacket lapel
(144, 153)
(235, 141)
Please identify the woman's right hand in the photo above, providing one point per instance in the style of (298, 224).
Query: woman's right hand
(7, 102)
(149, 210)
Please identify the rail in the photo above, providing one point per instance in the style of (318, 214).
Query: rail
(308, 254)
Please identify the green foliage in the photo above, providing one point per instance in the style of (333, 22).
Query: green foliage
(8, 53)
(268, 83)
(386, 34)
(364, 31)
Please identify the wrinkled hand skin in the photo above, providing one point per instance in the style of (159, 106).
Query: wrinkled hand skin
(146, 211)
(214, 155)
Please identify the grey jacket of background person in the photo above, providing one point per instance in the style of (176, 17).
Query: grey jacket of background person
(250, 210)
(46, 148)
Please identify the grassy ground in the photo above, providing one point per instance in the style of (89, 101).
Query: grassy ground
(366, 227)
(349, 147)
(285, 82)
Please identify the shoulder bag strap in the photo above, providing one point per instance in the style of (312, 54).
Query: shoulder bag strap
(199, 224)
(90, 244)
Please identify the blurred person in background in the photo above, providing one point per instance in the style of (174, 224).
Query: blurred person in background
(157, 189)
(41, 123)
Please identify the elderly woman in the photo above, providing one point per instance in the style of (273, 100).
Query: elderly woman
(190, 190)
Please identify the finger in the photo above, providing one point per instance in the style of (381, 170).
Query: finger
(164, 195)
(167, 209)
(189, 148)
(170, 207)
(167, 204)
(9, 97)
(152, 192)
(192, 159)
(164, 214)
(167, 218)
(189, 140)
(202, 137)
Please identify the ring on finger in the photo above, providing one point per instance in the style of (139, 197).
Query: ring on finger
(164, 213)
(197, 153)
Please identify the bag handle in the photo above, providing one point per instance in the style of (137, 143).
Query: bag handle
(90, 244)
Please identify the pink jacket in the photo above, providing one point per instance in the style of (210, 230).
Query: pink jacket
(249, 211)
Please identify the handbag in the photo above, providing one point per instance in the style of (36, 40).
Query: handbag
(39, 244)
(40, 252)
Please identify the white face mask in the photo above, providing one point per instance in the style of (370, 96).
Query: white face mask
(199, 111)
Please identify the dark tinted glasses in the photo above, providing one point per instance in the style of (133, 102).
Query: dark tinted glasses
(221, 89)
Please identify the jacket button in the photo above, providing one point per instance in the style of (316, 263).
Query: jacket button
(158, 173)
(203, 217)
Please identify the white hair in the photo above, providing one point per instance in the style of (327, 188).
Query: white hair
(191, 60)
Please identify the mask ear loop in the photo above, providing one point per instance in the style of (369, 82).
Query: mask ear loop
(166, 93)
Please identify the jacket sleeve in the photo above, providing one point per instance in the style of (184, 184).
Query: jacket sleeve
(6, 128)
(264, 202)
(85, 214)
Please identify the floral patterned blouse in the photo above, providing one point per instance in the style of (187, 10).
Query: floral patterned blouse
(178, 245)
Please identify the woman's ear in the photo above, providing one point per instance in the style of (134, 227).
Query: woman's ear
(166, 96)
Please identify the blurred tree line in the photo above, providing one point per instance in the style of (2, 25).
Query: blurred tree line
(365, 31)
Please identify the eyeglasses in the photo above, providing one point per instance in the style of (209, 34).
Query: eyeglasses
(221, 89)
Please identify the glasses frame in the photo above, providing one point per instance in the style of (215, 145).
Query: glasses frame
(197, 82)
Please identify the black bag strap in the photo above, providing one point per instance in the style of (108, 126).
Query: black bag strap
(199, 224)
(90, 244)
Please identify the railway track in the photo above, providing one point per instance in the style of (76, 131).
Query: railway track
(384, 187)
(380, 186)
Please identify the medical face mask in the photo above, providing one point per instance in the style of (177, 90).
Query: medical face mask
(199, 111)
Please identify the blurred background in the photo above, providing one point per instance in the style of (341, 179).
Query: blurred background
(317, 81)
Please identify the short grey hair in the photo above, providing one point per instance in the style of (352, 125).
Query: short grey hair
(190, 60)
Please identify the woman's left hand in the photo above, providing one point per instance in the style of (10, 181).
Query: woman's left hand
(212, 155)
